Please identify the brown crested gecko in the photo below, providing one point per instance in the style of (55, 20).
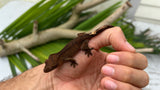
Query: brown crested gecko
(71, 49)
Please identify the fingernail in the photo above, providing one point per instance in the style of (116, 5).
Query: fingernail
(110, 85)
(130, 46)
(107, 70)
(112, 58)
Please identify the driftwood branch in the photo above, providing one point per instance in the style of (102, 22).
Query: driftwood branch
(109, 20)
(42, 38)
(86, 17)
(2, 43)
(29, 53)
(35, 28)
(143, 50)
(74, 19)
(90, 4)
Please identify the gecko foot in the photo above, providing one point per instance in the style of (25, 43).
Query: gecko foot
(74, 64)
(88, 52)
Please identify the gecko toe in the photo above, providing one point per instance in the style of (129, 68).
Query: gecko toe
(91, 48)
(74, 64)
(88, 52)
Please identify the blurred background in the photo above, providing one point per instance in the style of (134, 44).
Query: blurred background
(144, 14)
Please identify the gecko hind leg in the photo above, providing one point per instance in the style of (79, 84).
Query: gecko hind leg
(73, 62)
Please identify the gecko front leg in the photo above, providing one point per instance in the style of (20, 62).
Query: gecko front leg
(85, 48)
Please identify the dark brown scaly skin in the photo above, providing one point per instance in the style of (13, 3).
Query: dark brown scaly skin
(71, 49)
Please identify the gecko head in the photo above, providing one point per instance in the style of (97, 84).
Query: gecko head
(49, 66)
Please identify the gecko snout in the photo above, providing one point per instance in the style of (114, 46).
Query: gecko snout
(48, 66)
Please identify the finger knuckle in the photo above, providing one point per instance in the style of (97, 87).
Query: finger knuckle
(131, 60)
(118, 29)
(128, 75)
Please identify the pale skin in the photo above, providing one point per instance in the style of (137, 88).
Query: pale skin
(123, 69)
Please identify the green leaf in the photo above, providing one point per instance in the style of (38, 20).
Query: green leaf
(42, 20)
(29, 59)
(22, 61)
(17, 63)
(107, 49)
(37, 12)
(18, 20)
(97, 18)
(12, 67)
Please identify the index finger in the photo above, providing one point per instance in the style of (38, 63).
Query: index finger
(112, 36)
(134, 60)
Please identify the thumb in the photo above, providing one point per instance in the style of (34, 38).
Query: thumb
(114, 37)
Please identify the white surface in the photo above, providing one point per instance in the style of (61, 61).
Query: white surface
(148, 14)
(3, 2)
(8, 14)
(4, 68)
(148, 11)
(154, 3)
(153, 70)
(141, 26)
(104, 5)
(11, 11)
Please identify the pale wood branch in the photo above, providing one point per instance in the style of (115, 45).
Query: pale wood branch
(29, 53)
(90, 4)
(2, 43)
(74, 19)
(143, 50)
(43, 37)
(35, 27)
(86, 17)
(109, 20)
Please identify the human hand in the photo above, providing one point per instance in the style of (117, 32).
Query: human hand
(104, 71)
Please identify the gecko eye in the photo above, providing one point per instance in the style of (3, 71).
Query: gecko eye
(53, 67)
